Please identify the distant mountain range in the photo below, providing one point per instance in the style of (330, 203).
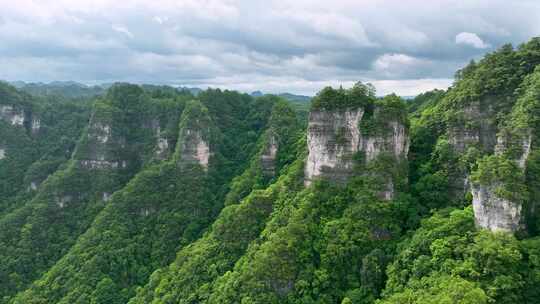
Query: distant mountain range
(72, 89)
(288, 96)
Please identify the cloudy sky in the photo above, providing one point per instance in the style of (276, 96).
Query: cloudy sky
(299, 46)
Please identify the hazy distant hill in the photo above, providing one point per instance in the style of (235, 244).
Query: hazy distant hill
(69, 89)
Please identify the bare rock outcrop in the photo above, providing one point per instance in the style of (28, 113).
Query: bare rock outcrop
(194, 144)
(269, 155)
(474, 126)
(335, 139)
(195, 149)
(493, 212)
(12, 115)
(100, 149)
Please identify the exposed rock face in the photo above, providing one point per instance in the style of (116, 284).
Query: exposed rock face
(195, 137)
(388, 192)
(101, 132)
(492, 211)
(396, 142)
(102, 164)
(495, 213)
(106, 196)
(100, 147)
(194, 149)
(12, 115)
(476, 127)
(335, 137)
(62, 201)
(526, 148)
(162, 144)
(2, 153)
(268, 157)
(36, 125)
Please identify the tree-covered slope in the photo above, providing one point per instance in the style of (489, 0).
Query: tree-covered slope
(174, 195)
(162, 208)
(112, 148)
(193, 273)
(226, 198)
(36, 136)
(487, 252)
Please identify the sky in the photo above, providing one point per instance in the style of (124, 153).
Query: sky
(298, 46)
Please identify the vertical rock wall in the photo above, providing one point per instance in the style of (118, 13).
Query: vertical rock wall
(195, 133)
(195, 149)
(493, 212)
(12, 115)
(269, 155)
(335, 138)
(102, 146)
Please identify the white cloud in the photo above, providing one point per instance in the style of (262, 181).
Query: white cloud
(122, 29)
(410, 87)
(160, 20)
(471, 39)
(273, 46)
(389, 61)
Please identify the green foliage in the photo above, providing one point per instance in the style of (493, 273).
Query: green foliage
(245, 229)
(425, 100)
(504, 174)
(163, 208)
(27, 149)
(331, 99)
(283, 130)
(447, 260)
(379, 115)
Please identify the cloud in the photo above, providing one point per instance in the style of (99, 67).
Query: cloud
(122, 29)
(276, 45)
(471, 39)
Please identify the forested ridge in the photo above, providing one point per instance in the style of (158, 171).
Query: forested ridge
(149, 194)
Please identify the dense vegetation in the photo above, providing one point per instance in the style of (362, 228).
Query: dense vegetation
(149, 194)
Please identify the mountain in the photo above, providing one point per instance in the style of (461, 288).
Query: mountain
(150, 194)
(287, 96)
(66, 89)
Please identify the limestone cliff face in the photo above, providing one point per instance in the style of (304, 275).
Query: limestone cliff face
(504, 194)
(195, 149)
(195, 136)
(475, 126)
(161, 147)
(471, 125)
(335, 138)
(101, 147)
(269, 155)
(13, 115)
(493, 212)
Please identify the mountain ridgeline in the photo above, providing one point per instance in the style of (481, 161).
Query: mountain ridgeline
(148, 194)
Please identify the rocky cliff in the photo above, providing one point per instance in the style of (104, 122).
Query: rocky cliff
(195, 136)
(101, 146)
(341, 141)
(268, 156)
(504, 184)
(11, 114)
(333, 138)
(474, 124)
